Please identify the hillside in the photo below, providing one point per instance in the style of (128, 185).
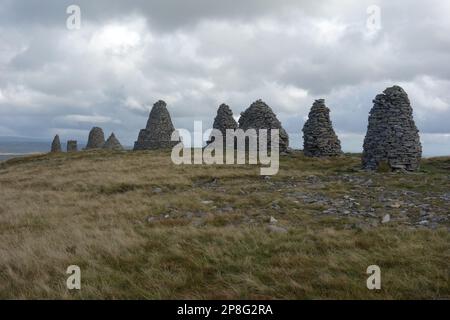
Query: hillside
(141, 227)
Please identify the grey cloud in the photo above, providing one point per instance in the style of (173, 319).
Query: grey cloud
(198, 54)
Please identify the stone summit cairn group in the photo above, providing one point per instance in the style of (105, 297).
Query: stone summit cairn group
(392, 137)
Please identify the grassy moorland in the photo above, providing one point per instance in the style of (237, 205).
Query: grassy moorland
(141, 227)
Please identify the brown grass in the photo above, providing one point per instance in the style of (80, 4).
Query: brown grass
(92, 209)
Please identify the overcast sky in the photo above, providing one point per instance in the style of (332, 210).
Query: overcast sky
(197, 54)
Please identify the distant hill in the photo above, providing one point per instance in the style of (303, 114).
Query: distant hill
(11, 147)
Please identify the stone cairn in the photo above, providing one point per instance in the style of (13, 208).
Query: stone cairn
(159, 129)
(96, 139)
(392, 137)
(223, 121)
(56, 145)
(112, 143)
(72, 146)
(319, 138)
(260, 116)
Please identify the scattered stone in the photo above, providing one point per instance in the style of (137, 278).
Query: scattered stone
(224, 121)
(319, 138)
(112, 143)
(72, 146)
(395, 205)
(276, 229)
(96, 139)
(392, 136)
(56, 145)
(206, 202)
(386, 219)
(159, 129)
(260, 116)
(273, 220)
(157, 190)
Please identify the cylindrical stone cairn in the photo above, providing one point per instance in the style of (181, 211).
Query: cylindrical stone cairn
(56, 145)
(96, 139)
(392, 137)
(260, 116)
(159, 129)
(319, 138)
(224, 121)
(72, 146)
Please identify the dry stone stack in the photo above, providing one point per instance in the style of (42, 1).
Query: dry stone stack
(319, 138)
(72, 146)
(224, 121)
(56, 144)
(112, 143)
(392, 137)
(159, 129)
(96, 139)
(260, 116)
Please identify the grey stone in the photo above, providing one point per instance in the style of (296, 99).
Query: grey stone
(72, 146)
(386, 219)
(96, 139)
(319, 138)
(276, 229)
(260, 116)
(158, 132)
(112, 143)
(392, 136)
(56, 145)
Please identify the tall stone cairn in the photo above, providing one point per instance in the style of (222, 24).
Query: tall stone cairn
(96, 139)
(260, 116)
(392, 136)
(72, 146)
(223, 121)
(159, 129)
(56, 145)
(112, 143)
(319, 138)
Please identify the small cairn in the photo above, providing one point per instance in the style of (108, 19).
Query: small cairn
(72, 146)
(159, 129)
(319, 138)
(112, 143)
(392, 137)
(223, 121)
(96, 139)
(56, 145)
(260, 116)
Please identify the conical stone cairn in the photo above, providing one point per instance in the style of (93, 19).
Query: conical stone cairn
(159, 129)
(224, 121)
(112, 143)
(260, 116)
(96, 139)
(56, 145)
(392, 137)
(319, 138)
